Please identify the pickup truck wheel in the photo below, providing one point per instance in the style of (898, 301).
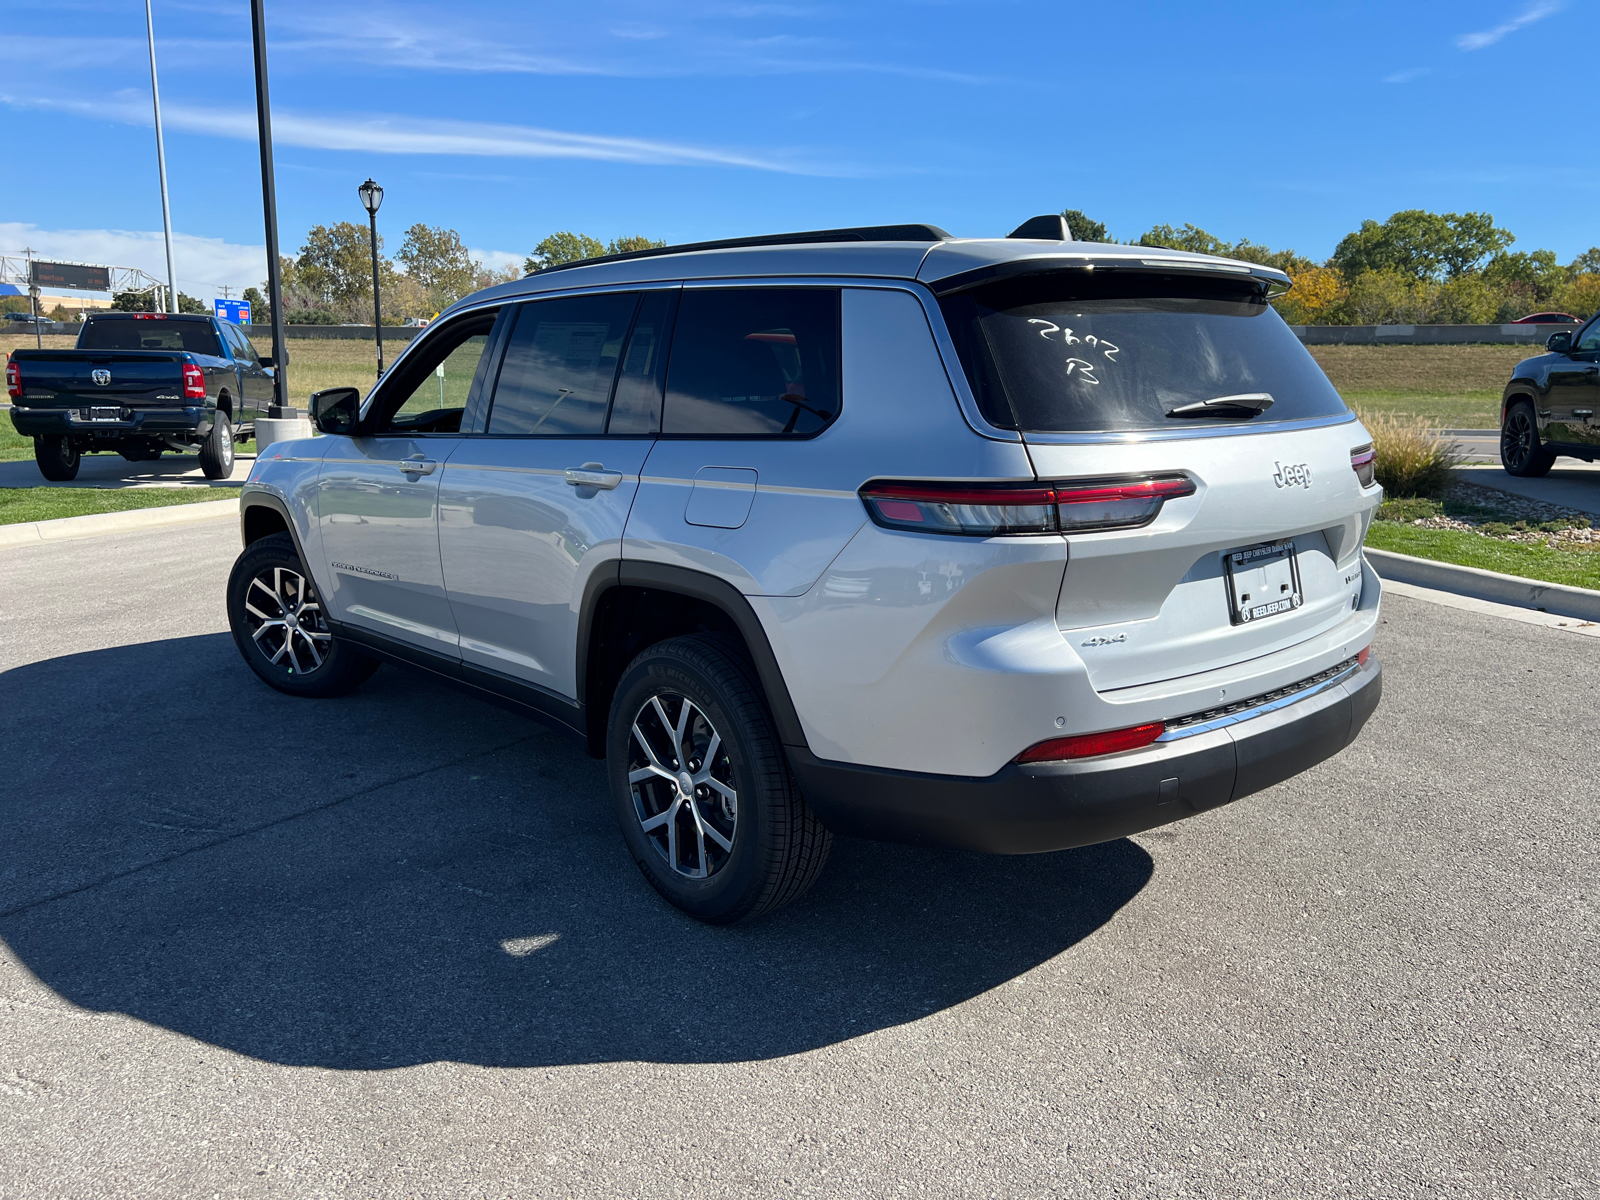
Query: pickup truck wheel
(57, 457)
(1520, 450)
(701, 787)
(216, 452)
(280, 628)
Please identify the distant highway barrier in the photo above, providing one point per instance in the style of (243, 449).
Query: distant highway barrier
(1426, 335)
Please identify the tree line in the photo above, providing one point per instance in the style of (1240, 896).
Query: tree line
(329, 281)
(1416, 268)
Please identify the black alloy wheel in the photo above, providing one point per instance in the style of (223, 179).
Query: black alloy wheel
(1521, 452)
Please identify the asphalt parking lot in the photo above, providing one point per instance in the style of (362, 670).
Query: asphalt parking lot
(392, 945)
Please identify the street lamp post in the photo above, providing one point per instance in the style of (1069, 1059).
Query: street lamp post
(269, 206)
(371, 197)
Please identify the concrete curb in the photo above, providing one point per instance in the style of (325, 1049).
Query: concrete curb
(31, 533)
(1487, 585)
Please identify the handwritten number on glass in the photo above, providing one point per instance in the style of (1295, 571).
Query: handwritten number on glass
(1082, 367)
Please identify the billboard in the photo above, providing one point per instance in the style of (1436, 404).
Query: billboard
(237, 311)
(71, 276)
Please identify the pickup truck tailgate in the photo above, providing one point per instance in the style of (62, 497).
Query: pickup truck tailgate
(76, 377)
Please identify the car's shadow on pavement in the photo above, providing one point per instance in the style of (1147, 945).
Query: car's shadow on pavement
(408, 875)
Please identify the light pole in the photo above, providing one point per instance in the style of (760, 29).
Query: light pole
(371, 197)
(269, 204)
(161, 162)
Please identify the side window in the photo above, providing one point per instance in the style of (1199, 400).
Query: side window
(429, 389)
(754, 362)
(637, 406)
(240, 344)
(1589, 339)
(560, 364)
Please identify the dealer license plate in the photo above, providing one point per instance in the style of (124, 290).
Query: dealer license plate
(1263, 581)
(102, 414)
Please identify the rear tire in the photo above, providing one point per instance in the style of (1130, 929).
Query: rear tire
(1521, 452)
(216, 452)
(280, 627)
(725, 835)
(57, 457)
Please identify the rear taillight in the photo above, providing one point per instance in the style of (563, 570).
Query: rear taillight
(1364, 462)
(990, 509)
(13, 380)
(194, 382)
(1089, 745)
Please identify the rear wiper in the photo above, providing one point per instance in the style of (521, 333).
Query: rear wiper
(1245, 404)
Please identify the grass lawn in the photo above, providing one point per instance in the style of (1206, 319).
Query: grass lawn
(1455, 387)
(1575, 568)
(46, 503)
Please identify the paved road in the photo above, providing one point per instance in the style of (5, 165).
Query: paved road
(114, 471)
(392, 946)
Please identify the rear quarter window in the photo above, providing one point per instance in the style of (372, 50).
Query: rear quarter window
(1064, 353)
(753, 362)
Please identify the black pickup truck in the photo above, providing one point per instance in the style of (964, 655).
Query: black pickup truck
(139, 384)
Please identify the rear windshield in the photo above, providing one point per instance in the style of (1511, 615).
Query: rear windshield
(197, 337)
(1066, 354)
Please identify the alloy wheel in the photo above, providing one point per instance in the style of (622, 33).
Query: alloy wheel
(1516, 446)
(286, 620)
(682, 783)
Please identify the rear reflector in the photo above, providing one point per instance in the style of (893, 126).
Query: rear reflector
(1089, 745)
(1364, 462)
(1363, 654)
(989, 509)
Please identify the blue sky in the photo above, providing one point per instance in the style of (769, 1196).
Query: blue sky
(1286, 123)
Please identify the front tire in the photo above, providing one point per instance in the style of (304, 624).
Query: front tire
(280, 627)
(216, 452)
(1521, 452)
(57, 457)
(701, 787)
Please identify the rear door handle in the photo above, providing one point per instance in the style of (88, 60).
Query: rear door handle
(417, 465)
(593, 475)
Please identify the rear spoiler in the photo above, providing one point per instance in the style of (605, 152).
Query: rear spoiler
(1269, 280)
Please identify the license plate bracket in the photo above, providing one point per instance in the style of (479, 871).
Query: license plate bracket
(99, 414)
(1263, 581)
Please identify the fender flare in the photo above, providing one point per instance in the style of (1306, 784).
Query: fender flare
(697, 585)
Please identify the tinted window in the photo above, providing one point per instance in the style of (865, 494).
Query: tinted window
(637, 405)
(754, 361)
(1588, 340)
(1058, 353)
(561, 360)
(196, 337)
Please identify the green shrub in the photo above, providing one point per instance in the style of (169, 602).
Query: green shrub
(1411, 459)
(1411, 508)
(1495, 528)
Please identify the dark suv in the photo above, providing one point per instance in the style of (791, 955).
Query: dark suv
(1549, 406)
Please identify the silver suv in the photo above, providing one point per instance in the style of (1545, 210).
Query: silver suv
(1011, 545)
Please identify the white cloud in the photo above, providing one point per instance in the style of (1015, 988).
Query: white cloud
(498, 260)
(1409, 75)
(397, 134)
(203, 264)
(1488, 37)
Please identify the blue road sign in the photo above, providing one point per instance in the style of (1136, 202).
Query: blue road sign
(237, 311)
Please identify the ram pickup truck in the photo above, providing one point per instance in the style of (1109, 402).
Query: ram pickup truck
(140, 384)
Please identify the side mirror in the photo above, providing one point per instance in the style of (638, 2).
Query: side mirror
(336, 410)
(1561, 342)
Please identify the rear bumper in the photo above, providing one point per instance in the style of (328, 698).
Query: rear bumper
(140, 422)
(1054, 806)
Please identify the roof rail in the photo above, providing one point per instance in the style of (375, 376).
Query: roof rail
(863, 233)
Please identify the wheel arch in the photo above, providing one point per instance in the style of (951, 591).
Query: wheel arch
(628, 606)
(1518, 390)
(262, 515)
(225, 403)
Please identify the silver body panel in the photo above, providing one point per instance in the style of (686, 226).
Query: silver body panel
(915, 652)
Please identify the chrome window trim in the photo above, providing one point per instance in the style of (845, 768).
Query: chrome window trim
(1135, 436)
